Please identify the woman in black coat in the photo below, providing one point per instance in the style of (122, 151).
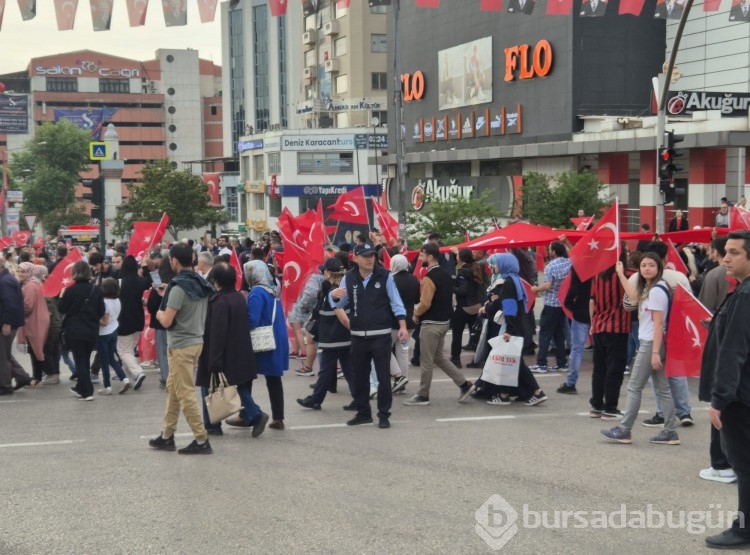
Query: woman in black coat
(468, 291)
(82, 305)
(227, 349)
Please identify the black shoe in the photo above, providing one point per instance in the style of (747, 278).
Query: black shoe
(162, 444)
(215, 431)
(359, 419)
(21, 384)
(728, 539)
(655, 421)
(473, 364)
(384, 423)
(350, 406)
(260, 425)
(456, 362)
(308, 403)
(414, 362)
(565, 388)
(469, 347)
(6, 391)
(196, 448)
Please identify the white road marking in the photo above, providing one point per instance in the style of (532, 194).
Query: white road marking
(475, 418)
(318, 427)
(42, 443)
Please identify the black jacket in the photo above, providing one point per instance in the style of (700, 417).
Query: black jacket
(578, 297)
(82, 306)
(226, 341)
(466, 290)
(131, 319)
(725, 368)
(152, 305)
(11, 300)
(408, 287)
(331, 332)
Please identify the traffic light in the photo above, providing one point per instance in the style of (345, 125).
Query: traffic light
(94, 196)
(665, 165)
(674, 153)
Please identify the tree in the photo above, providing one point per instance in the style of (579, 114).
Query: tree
(47, 172)
(553, 200)
(451, 217)
(181, 194)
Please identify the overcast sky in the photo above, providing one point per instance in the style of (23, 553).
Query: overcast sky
(22, 40)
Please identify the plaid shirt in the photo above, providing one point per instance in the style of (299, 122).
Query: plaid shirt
(556, 271)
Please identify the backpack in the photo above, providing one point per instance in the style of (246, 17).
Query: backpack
(668, 292)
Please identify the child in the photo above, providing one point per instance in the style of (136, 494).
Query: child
(107, 344)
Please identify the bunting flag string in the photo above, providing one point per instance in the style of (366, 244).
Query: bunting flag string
(65, 12)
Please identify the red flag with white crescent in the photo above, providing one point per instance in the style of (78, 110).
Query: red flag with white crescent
(598, 249)
(137, 12)
(674, 260)
(60, 278)
(563, 292)
(212, 181)
(234, 261)
(530, 295)
(350, 207)
(686, 335)
(388, 225)
(582, 223)
(631, 7)
(20, 238)
(65, 13)
(739, 218)
(297, 269)
(386, 259)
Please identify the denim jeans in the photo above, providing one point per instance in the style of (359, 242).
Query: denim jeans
(579, 332)
(640, 375)
(680, 396)
(107, 347)
(250, 410)
(552, 324)
(632, 342)
(65, 355)
(160, 339)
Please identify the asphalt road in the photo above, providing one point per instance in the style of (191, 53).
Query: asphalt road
(79, 478)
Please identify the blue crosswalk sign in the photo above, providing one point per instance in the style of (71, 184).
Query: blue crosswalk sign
(97, 151)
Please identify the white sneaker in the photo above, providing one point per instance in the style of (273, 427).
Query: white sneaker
(125, 386)
(105, 391)
(95, 378)
(724, 476)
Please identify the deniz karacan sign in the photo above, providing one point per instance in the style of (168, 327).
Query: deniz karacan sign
(687, 102)
(87, 68)
(525, 63)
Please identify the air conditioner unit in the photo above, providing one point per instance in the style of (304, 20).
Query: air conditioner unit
(331, 28)
(307, 73)
(332, 66)
(308, 37)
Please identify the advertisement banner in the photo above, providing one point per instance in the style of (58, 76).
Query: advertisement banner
(465, 74)
(317, 142)
(91, 119)
(326, 190)
(729, 104)
(14, 113)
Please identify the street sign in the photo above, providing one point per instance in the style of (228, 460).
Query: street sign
(30, 220)
(97, 150)
(14, 196)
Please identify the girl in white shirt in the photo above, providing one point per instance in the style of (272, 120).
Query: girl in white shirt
(107, 344)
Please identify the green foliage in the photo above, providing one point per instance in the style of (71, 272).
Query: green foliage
(553, 200)
(181, 194)
(47, 171)
(451, 217)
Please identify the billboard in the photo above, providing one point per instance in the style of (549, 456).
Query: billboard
(90, 119)
(14, 113)
(465, 74)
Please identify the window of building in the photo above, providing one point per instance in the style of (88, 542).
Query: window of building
(342, 84)
(62, 84)
(245, 168)
(274, 163)
(342, 120)
(242, 201)
(114, 85)
(382, 116)
(236, 65)
(214, 110)
(379, 43)
(282, 72)
(261, 68)
(378, 9)
(274, 206)
(259, 201)
(455, 169)
(325, 162)
(258, 172)
(170, 91)
(310, 58)
(172, 128)
(340, 47)
(379, 81)
(230, 194)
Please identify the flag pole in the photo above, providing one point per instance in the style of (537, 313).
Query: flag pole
(617, 226)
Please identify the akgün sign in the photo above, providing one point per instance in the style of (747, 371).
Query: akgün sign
(432, 189)
(528, 63)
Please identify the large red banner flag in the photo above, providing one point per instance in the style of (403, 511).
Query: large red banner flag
(65, 13)
(137, 12)
(491, 5)
(60, 278)
(298, 266)
(674, 260)
(278, 7)
(559, 7)
(739, 218)
(428, 3)
(599, 248)
(631, 7)
(686, 335)
(387, 224)
(582, 223)
(343, 4)
(351, 207)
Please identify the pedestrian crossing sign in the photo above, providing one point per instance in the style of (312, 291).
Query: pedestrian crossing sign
(97, 151)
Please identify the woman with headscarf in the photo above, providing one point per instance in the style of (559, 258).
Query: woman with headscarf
(52, 350)
(510, 297)
(262, 301)
(407, 285)
(36, 321)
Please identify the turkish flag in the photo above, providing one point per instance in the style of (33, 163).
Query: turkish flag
(147, 340)
(386, 259)
(351, 207)
(428, 3)
(599, 248)
(140, 241)
(20, 238)
(278, 7)
(60, 278)
(491, 5)
(136, 12)
(212, 180)
(530, 295)
(563, 292)
(519, 234)
(631, 7)
(674, 260)
(318, 236)
(298, 267)
(65, 12)
(207, 10)
(582, 223)
(559, 7)
(686, 335)
(739, 218)
(387, 224)
(101, 15)
(539, 259)
(711, 5)
(234, 262)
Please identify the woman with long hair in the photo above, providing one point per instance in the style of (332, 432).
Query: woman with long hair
(652, 294)
(468, 291)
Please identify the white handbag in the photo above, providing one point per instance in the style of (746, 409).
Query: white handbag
(262, 338)
(223, 399)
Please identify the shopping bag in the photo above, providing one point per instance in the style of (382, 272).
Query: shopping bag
(504, 361)
(223, 400)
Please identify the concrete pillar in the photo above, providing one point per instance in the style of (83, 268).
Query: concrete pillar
(614, 172)
(649, 190)
(706, 184)
(111, 174)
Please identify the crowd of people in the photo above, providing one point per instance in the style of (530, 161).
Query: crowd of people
(355, 318)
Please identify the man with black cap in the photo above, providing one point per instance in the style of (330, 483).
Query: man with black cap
(370, 295)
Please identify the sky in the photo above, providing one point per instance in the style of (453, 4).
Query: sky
(22, 40)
